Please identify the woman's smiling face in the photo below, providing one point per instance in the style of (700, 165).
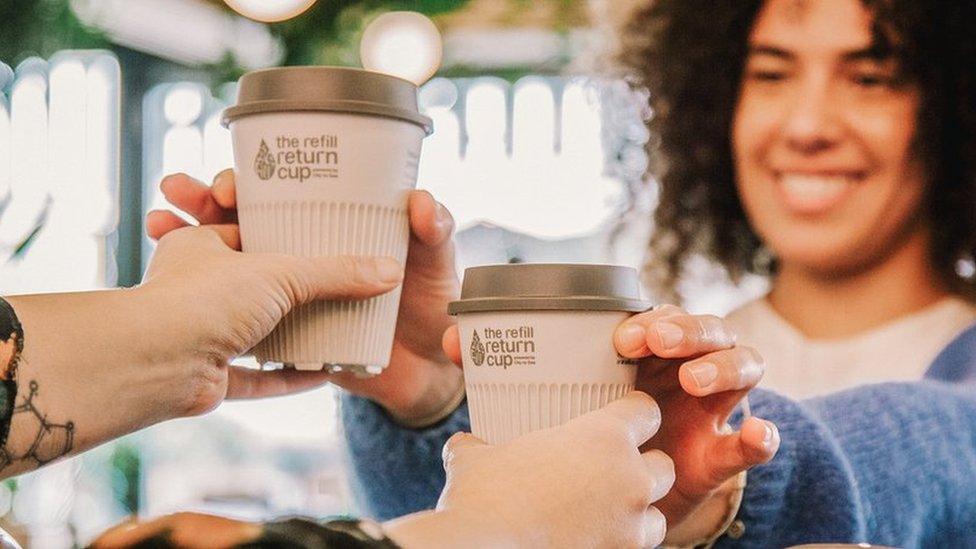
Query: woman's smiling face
(823, 138)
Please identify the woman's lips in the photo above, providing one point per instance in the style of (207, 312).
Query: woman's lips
(812, 194)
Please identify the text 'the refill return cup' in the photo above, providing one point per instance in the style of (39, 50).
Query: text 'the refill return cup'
(537, 343)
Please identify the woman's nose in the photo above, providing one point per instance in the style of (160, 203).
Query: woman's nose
(811, 122)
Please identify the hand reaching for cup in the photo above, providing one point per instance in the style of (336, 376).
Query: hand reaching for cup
(693, 369)
(420, 379)
(582, 484)
(210, 304)
(692, 366)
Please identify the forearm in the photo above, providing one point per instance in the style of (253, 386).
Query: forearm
(87, 373)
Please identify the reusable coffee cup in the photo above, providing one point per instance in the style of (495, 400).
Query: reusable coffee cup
(325, 158)
(537, 343)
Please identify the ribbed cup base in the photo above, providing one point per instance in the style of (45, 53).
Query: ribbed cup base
(501, 412)
(330, 333)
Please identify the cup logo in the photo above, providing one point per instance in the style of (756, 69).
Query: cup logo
(503, 347)
(264, 163)
(477, 349)
(298, 158)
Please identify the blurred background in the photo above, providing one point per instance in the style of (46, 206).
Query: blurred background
(538, 151)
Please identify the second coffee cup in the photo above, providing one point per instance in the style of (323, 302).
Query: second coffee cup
(537, 343)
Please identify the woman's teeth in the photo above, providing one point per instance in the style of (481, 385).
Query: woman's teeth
(814, 190)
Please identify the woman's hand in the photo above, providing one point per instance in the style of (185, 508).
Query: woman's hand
(420, 379)
(677, 352)
(692, 366)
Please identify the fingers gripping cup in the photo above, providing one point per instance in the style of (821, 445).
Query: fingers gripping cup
(537, 343)
(325, 159)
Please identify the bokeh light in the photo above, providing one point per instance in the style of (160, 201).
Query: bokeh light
(404, 44)
(270, 11)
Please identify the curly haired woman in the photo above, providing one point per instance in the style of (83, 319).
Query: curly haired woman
(832, 146)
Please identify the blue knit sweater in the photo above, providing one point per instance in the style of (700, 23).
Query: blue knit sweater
(890, 464)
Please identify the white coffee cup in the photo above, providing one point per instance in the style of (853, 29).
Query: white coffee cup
(537, 343)
(325, 158)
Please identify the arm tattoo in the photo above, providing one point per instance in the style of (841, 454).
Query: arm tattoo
(52, 440)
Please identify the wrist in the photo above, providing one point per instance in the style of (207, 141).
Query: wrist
(710, 520)
(178, 355)
(448, 528)
(439, 400)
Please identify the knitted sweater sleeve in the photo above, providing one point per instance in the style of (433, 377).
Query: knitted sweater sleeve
(396, 470)
(890, 464)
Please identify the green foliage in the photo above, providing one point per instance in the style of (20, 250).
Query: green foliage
(328, 34)
(509, 74)
(126, 464)
(41, 28)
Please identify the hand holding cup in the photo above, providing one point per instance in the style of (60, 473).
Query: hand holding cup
(581, 484)
(419, 378)
(696, 402)
(693, 367)
(526, 493)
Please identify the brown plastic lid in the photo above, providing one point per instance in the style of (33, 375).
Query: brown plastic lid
(549, 287)
(330, 89)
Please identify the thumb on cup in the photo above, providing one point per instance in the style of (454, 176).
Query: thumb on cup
(457, 443)
(340, 277)
(451, 343)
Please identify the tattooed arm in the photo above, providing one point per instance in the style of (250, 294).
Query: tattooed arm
(74, 375)
(82, 368)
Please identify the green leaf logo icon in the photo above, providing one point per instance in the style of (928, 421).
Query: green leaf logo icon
(264, 163)
(477, 350)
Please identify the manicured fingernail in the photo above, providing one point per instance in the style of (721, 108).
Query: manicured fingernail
(767, 433)
(389, 271)
(631, 337)
(671, 334)
(704, 374)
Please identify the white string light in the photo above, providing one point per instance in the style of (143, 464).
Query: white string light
(402, 43)
(270, 11)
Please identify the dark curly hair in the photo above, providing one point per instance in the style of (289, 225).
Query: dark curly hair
(690, 54)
